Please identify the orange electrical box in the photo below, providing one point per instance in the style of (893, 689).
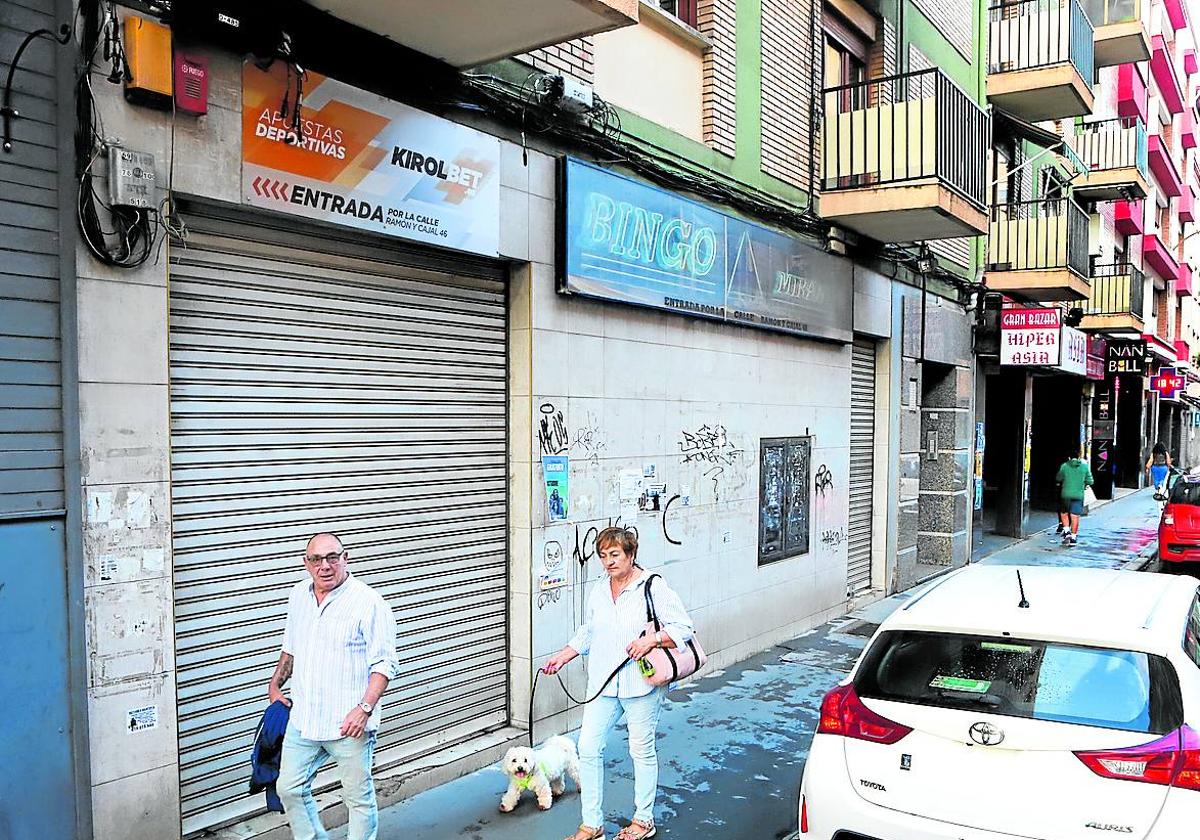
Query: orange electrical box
(148, 50)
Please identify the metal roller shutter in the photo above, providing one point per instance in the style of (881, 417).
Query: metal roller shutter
(862, 457)
(326, 384)
(31, 411)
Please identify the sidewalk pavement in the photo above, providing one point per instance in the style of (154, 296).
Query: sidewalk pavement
(732, 746)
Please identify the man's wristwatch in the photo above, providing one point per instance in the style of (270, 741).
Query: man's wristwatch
(366, 707)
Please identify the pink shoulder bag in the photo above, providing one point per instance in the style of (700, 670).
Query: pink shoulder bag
(662, 666)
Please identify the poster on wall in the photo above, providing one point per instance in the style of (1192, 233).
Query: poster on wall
(628, 241)
(360, 160)
(980, 441)
(556, 471)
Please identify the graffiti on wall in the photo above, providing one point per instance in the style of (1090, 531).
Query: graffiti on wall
(708, 444)
(552, 430)
(823, 480)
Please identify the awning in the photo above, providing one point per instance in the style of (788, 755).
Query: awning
(1008, 123)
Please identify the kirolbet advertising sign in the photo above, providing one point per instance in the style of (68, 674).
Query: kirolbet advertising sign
(357, 159)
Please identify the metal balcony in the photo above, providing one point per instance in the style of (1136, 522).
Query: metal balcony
(1115, 153)
(1121, 26)
(1041, 59)
(466, 33)
(1039, 250)
(905, 158)
(1115, 303)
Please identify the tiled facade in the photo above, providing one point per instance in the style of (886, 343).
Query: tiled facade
(717, 21)
(790, 29)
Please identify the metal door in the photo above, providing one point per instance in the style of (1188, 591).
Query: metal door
(37, 791)
(321, 383)
(862, 459)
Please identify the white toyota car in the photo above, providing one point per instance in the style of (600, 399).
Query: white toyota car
(1009, 702)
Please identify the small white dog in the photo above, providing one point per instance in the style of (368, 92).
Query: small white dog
(543, 771)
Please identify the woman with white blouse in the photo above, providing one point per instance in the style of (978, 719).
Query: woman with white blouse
(613, 630)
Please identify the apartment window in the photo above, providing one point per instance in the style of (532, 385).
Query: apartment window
(685, 10)
(1004, 180)
(783, 498)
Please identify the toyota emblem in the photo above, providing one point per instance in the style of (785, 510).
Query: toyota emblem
(986, 734)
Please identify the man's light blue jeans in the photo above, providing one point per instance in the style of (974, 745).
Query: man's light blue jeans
(599, 718)
(299, 763)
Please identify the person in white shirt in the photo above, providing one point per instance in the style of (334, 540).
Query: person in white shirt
(613, 630)
(339, 650)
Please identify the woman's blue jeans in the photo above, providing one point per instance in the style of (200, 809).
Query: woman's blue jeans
(599, 718)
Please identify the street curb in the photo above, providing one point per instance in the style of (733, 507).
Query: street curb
(1144, 558)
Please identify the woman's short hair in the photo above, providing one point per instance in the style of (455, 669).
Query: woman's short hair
(626, 538)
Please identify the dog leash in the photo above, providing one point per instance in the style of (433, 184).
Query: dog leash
(567, 691)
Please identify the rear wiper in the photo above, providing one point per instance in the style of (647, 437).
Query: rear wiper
(982, 699)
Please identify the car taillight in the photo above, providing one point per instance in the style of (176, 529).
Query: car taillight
(842, 713)
(803, 814)
(1173, 760)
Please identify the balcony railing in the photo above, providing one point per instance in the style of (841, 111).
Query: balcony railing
(1029, 34)
(1108, 12)
(1117, 289)
(1112, 144)
(1040, 236)
(906, 128)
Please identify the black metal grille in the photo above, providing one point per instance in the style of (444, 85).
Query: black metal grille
(1117, 289)
(905, 128)
(1040, 33)
(1039, 235)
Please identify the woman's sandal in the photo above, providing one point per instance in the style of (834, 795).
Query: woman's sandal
(637, 830)
(586, 832)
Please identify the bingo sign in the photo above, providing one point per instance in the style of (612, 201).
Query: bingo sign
(1168, 383)
(1030, 337)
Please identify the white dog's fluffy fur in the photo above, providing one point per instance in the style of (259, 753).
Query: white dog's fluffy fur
(548, 768)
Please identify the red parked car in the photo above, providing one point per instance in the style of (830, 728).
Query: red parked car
(1179, 528)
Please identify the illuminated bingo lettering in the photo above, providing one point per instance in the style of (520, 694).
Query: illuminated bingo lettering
(637, 234)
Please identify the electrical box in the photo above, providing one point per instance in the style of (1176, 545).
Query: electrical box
(148, 50)
(191, 84)
(131, 178)
(575, 96)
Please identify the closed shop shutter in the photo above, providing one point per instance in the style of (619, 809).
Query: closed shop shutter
(327, 384)
(31, 417)
(862, 458)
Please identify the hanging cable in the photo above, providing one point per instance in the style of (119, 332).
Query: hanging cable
(130, 241)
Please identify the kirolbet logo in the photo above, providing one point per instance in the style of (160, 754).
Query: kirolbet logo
(435, 167)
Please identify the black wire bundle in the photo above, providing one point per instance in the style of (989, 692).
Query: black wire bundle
(130, 242)
(600, 132)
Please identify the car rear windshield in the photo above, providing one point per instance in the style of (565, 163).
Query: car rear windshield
(1090, 686)
(1186, 493)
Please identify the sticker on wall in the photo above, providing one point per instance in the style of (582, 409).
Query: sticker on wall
(630, 490)
(653, 496)
(139, 720)
(556, 473)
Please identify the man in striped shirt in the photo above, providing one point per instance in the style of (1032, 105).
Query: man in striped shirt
(339, 650)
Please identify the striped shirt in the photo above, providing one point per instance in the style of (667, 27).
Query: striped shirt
(336, 648)
(610, 626)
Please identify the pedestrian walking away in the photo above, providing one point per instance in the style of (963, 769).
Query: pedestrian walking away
(1074, 476)
(1158, 467)
(339, 653)
(611, 632)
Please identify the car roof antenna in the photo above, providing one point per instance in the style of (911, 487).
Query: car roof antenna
(1024, 604)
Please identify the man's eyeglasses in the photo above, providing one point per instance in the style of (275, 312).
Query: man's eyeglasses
(315, 560)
